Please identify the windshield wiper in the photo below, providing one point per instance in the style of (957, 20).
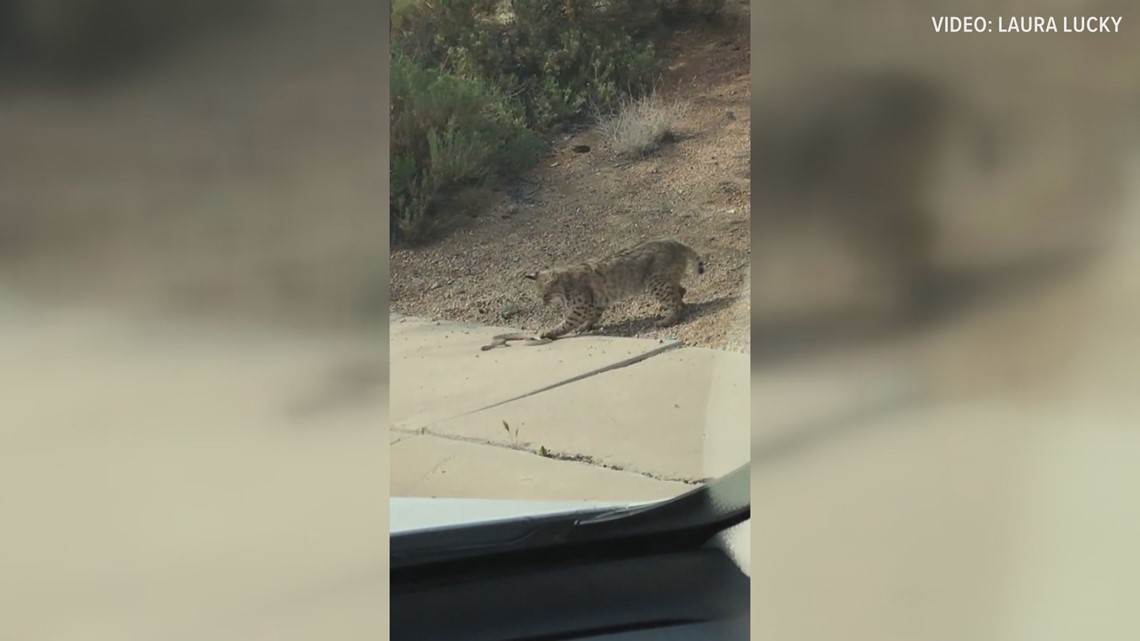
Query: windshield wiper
(726, 499)
(701, 512)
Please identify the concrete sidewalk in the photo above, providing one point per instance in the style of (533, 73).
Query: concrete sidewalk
(588, 417)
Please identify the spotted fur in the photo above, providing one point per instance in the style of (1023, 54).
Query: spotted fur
(588, 289)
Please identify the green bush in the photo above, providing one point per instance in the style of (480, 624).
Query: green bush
(447, 133)
(476, 82)
(557, 58)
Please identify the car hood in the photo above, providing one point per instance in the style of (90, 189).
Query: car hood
(413, 513)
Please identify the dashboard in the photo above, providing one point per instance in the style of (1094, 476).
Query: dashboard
(702, 593)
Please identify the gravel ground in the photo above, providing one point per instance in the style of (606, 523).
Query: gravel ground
(576, 206)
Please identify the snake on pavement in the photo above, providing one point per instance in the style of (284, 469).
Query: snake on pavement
(502, 339)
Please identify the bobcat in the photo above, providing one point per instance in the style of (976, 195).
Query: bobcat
(587, 289)
(857, 153)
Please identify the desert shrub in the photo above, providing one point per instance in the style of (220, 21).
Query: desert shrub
(688, 10)
(476, 82)
(640, 126)
(447, 133)
(555, 57)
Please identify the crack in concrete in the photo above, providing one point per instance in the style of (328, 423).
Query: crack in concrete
(545, 452)
(633, 360)
(542, 450)
(405, 436)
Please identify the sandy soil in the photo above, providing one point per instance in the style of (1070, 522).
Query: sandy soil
(576, 206)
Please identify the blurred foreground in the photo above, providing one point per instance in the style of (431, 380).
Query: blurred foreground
(192, 276)
(970, 474)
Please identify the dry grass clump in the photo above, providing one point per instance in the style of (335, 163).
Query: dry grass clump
(641, 126)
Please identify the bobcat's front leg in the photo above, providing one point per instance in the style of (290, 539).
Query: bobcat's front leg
(567, 325)
(593, 319)
(580, 314)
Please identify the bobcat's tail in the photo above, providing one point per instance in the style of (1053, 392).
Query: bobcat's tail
(696, 261)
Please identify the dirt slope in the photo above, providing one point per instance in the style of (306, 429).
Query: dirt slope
(575, 206)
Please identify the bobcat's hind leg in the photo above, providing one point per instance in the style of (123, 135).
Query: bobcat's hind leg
(671, 298)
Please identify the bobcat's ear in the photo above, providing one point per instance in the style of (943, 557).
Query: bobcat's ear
(530, 275)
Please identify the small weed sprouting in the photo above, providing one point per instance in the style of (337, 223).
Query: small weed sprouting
(513, 434)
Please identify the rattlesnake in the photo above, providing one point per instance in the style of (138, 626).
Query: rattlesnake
(501, 340)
